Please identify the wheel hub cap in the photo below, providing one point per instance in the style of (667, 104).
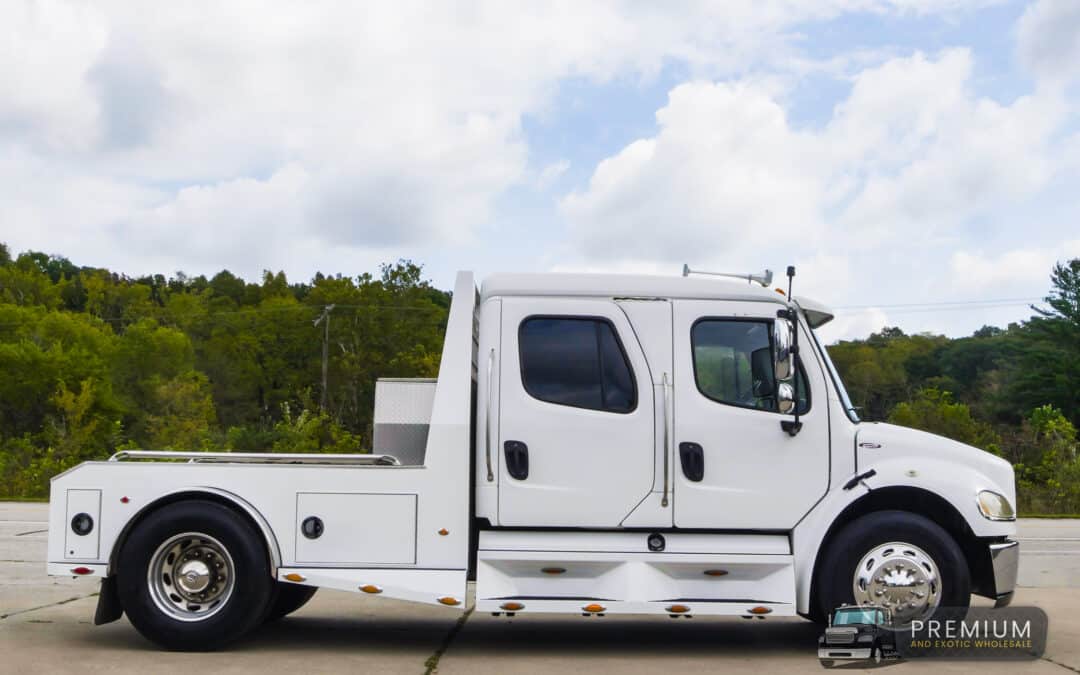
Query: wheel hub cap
(901, 577)
(194, 576)
(191, 576)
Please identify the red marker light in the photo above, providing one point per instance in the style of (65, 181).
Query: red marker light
(82, 570)
(124, 500)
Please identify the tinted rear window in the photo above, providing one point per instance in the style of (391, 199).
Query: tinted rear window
(576, 362)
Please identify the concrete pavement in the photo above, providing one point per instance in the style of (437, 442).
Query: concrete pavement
(46, 627)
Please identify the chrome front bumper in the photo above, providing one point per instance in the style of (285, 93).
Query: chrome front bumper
(837, 652)
(1005, 558)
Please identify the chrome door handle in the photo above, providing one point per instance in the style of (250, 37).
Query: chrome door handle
(667, 435)
(487, 418)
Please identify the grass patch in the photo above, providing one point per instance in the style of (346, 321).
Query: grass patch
(33, 500)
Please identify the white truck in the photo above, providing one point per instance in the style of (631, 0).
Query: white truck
(595, 444)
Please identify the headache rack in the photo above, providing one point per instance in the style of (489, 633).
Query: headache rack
(257, 458)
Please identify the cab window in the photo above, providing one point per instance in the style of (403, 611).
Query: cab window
(733, 364)
(576, 361)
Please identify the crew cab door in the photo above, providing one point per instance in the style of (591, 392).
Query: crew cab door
(576, 417)
(735, 467)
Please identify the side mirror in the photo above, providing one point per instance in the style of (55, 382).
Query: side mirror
(783, 356)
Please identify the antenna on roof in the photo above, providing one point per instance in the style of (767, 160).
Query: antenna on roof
(764, 278)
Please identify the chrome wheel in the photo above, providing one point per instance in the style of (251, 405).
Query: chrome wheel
(191, 576)
(901, 577)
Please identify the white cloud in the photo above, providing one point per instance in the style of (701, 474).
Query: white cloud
(551, 173)
(854, 324)
(347, 125)
(724, 171)
(1049, 39)
(911, 155)
(1015, 270)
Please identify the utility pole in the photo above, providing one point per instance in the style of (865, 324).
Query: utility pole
(325, 350)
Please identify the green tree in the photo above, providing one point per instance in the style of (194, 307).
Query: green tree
(1046, 463)
(1047, 367)
(935, 411)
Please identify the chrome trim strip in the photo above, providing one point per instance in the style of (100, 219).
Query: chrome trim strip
(664, 384)
(487, 417)
(257, 457)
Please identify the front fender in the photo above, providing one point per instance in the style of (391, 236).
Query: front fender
(956, 483)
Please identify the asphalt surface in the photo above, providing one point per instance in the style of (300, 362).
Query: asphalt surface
(46, 627)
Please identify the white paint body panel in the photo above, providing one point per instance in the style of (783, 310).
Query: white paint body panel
(587, 468)
(760, 514)
(82, 547)
(360, 529)
(756, 476)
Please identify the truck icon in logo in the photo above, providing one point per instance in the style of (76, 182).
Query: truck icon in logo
(858, 632)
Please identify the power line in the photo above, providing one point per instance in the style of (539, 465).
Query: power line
(930, 310)
(999, 301)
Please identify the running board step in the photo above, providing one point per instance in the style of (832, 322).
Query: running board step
(625, 580)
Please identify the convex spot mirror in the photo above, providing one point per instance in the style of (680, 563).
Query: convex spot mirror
(783, 358)
(785, 397)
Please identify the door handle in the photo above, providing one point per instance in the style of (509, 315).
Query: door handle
(517, 459)
(693, 461)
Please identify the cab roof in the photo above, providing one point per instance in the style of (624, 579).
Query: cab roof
(641, 286)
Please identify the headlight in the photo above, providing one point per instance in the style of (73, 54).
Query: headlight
(995, 506)
(866, 638)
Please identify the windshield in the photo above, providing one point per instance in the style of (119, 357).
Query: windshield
(844, 399)
(848, 617)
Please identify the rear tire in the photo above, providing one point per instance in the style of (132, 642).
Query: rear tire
(194, 576)
(925, 560)
(290, 597)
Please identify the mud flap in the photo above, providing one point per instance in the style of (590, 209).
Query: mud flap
(108, 606)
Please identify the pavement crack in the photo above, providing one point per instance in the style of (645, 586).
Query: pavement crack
(1059, 663)
(23, 534)
(432, 663)
(52, 604)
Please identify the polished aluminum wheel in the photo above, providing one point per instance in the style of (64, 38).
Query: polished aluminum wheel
(191, 576)
(901, 577)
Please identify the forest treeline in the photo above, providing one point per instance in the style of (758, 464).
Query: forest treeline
(94, 361)
(1014, 391)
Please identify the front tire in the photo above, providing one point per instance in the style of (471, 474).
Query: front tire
(194, 576)
(896, 559)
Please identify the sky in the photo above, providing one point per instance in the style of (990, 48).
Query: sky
(917, 160)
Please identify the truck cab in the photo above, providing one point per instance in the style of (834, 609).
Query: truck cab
(858, 632)
(594, 444)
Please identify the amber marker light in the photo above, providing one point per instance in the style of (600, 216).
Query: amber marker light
(553, 570)
(293, 576)
(759, 610)
(593, 608)
(447, 600)
(512, 606)
(715, 573)
(371, 588)
(443, 532)
(678, 609)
